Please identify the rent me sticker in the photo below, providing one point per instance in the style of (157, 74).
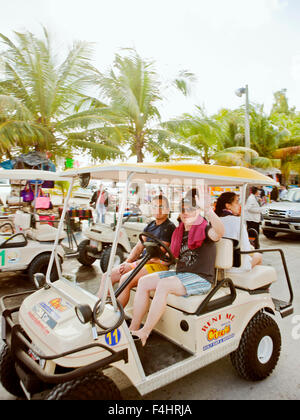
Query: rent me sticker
(59, 304)
(217, 334)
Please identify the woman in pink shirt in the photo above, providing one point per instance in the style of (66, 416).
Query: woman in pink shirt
(193, 243)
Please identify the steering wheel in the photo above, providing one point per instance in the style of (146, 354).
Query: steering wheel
(167, 257)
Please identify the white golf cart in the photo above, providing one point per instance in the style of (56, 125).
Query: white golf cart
(27, 243)
(61, 338)
(99, 238)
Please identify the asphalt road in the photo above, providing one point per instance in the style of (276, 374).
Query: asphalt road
(219, 380)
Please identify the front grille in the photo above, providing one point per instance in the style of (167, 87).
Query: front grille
(277, 213)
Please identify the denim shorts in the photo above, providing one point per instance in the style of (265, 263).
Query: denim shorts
(194, 284)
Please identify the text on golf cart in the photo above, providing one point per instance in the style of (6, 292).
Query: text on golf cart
(217, 318)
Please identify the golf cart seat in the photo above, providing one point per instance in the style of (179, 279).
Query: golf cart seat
(44, 233)
(17, 240)
(22, 220)
(259, 277)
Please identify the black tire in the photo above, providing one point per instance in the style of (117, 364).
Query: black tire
(93, 386)
(105, 254)
(245, 359)
(8, 375)
(270, 234)
(40, 265)
(83, 258)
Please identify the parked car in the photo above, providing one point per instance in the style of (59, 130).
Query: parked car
(282, 216)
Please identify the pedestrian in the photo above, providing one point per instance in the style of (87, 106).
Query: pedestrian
(99, 201)
(283, 192)
(253, 213)
(274, 194)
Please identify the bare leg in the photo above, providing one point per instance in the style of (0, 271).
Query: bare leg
(256, 259)
(115, 278)
(164, 287)
(141, 299)
(123, 298)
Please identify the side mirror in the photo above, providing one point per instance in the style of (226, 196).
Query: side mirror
(39, 280)
(84, 180)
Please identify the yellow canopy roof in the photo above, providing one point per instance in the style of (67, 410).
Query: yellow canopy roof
(173, 173)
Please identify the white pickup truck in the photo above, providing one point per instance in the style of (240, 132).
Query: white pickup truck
(282, 216)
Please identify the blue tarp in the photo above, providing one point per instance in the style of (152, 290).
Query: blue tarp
(32, 160)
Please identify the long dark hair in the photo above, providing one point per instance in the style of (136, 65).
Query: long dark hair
(225, 198)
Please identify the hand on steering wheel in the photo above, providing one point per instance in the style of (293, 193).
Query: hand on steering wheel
(166, 256)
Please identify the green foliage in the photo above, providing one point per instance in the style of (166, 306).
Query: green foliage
(39, 96)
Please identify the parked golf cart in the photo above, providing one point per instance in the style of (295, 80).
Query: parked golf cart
(27, 243)
(62, 338)
(100, 236)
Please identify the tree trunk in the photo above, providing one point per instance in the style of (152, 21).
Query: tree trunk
(139, 148)
(139, 156)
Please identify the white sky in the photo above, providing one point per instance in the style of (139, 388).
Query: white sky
(226, 43)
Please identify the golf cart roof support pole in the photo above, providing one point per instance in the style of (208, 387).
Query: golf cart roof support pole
(59, 230)
(34, 201)
(242, 217)
(108, 284)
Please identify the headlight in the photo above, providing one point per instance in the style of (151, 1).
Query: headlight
(294, 213)
(265, 211)
(39, 280)
(84, 313)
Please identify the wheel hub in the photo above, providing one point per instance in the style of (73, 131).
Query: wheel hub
(265, 349)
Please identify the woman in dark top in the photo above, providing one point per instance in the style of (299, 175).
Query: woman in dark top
(193, 243)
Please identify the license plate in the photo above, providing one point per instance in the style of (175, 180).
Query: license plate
(36, 358)
(275, 222)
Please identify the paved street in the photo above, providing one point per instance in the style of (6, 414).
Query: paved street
(218, 380)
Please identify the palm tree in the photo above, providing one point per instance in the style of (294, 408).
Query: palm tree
(133, 90)
(275, 138)
(38, 98)
(200, 135)
(264, 136)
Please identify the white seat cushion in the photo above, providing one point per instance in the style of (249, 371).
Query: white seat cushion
(191, 303)
(44, 233)
(259, 276)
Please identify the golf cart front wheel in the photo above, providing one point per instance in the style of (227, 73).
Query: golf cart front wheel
(93, 386)
(105, 255)
(8, 375)
(259, 349)
(40, 265)
(83, 257)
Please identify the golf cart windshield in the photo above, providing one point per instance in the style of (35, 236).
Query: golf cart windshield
(293, 196)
